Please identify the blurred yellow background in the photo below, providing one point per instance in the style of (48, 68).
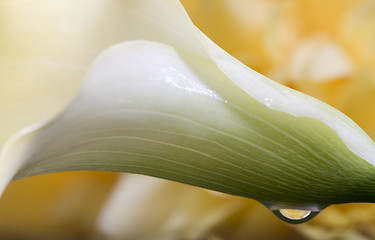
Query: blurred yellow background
(323, 48)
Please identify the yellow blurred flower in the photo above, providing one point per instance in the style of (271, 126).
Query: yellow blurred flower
(323, 48)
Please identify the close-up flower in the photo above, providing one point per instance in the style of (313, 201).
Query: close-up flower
(93, 93)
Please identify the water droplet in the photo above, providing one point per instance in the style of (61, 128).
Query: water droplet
(295, 216)
(268, 101)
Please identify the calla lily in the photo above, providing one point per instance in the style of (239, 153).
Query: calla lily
(176, 106)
